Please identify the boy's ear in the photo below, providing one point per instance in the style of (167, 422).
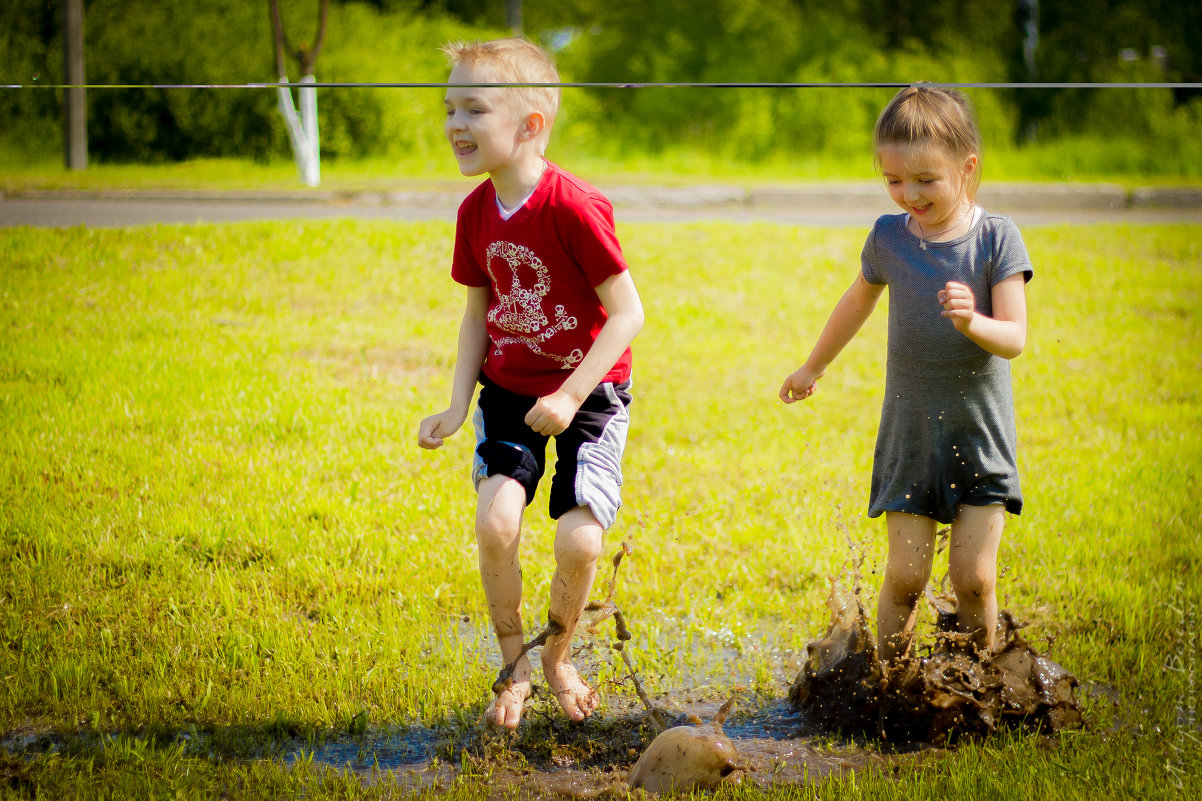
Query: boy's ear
(532, 126)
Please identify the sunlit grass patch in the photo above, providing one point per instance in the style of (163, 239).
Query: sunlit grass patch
(213, 513)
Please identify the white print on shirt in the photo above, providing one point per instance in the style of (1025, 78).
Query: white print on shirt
(521, 311)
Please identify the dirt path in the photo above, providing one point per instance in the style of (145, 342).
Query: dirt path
(835, 204)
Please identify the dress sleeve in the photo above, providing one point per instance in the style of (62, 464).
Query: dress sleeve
(870, 265)
(1009, 254)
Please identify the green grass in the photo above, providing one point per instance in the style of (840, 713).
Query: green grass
(218, 532)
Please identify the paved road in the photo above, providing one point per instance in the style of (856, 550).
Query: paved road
(818, 204)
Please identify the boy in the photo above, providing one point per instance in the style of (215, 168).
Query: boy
(551, 312)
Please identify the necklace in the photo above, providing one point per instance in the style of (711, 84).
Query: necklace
(923, 237)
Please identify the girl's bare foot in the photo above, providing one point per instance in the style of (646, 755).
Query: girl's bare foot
(577, 699)
(506, 709)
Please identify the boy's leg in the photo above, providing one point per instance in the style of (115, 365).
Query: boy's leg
(498, 534)
(578, 538)
(972, 569)
(585, 496)
(911, 550)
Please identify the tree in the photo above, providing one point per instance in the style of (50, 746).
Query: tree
(302, 129)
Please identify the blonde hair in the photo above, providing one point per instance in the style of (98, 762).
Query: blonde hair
(513, 61)
(930, 115)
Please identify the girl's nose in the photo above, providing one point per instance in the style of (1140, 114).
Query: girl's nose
(911, 191)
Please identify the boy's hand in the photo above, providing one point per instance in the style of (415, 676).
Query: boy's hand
(801, 384)
(552, 414)
(958, 304)
(437, 427)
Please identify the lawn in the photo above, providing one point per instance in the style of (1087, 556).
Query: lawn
(219, 534)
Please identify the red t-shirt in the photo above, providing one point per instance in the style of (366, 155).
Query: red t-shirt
(541, 266)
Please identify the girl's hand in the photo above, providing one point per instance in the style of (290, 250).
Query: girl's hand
(437, 427)
(958, 304)
(552, 414)
(801, 384)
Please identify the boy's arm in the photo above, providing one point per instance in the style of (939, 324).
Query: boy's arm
(1005, 333)
(553, 413)
(473, 345)
(846, 320)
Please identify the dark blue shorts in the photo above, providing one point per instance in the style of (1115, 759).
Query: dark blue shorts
(588, 467)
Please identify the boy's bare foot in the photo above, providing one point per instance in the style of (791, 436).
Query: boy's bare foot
(506, 709)
(577, 699)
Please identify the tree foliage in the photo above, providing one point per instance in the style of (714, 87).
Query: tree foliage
(630, 41)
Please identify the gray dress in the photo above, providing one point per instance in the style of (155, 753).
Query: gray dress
(947, 422)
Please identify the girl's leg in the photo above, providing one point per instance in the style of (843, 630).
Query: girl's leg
(578, 539)
(499, 511)
(911, 550)
(972, 568)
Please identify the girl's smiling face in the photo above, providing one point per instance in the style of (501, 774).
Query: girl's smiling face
(925, 182)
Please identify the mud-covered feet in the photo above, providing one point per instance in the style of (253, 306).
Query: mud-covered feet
(576, 698)
(506, 709)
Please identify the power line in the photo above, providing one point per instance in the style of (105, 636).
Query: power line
(616, 85)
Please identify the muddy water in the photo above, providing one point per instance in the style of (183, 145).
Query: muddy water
(675, 739)
(841, 714)
(549, 756)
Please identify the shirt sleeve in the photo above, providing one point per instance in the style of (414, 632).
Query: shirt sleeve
(871, 266)
(465, 266)
(1010, 254)
(593, 240)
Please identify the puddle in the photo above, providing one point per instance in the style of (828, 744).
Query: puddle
(549, 756)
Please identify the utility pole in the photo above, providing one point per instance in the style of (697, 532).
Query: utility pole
(513, 16)
(75, 112)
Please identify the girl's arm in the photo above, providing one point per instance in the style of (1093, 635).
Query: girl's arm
(846, 320)
(553, 413)
(1005, 333)
(473, 345)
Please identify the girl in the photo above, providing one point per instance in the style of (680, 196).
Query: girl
(945, 451)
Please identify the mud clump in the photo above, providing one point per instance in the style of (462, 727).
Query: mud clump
(949, 691)
(689, 757)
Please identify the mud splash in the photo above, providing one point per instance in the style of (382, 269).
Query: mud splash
(945, 690)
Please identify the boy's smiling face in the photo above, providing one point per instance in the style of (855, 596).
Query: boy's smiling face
(484, 132)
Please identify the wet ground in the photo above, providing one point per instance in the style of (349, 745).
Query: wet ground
(840, 714)
(549, 756)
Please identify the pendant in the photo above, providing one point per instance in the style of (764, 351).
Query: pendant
(922, 243)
